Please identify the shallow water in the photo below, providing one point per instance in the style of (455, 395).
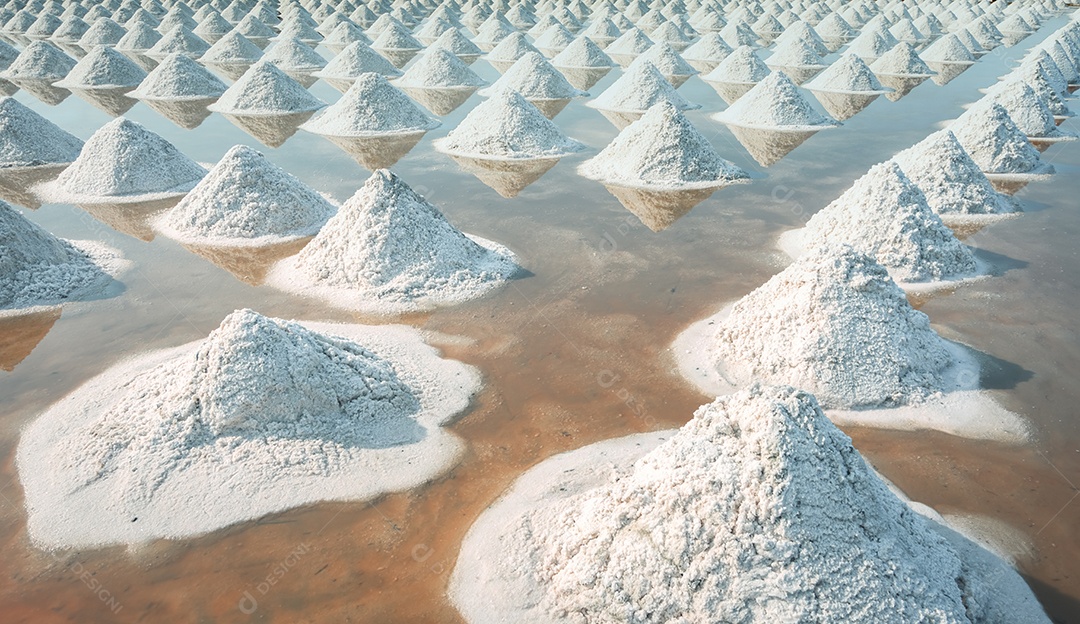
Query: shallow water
(574, 353)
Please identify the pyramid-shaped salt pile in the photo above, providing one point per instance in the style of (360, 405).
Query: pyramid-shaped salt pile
(29, 140)
(246, 200)
(737, 74)
(266, 90)
(886, 216)
(799, 58)
(950, 179)
(775, 104)
(397, 45)
(535, 79)
(846, 87)
(212, 28)
(639, 88)
(103, 68)
(255, 30)
(38, 269)
(293, 55)
(870, 46)
(456, 43)
(344, 34)
(948, 49)
(554, 39)
(668, 62)
(662, 151)
(707, 52)
(995, 143)
(124, 162)
(1036, 78)
(582, 53)
(734, 517)
(43, 28)
(503, 56)
(901, 61)
(262, 416)
(139, 39)
(356, 59)
(70, 30)
(507, 127)
(179, 39)
(628, 46)
(371, 107)
(178, 78)
(1027, 110)
(440, 68)
(39, 61)
(389, 251)
(302, 29)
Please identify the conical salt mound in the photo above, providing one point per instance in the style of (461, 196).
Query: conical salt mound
(835, 323)
(995, 143)
(741, 66)
(38, 269)
(371, 107)
(389, 251)
(125, 162)
(140, 38)
(232, 49)
(775, 103)
(885, 215)
(253, 28)
(665, 59)
(29, 140)
(950, 179)
(103, 68)
(507, 126)
(1026, 109)
(106, 32)
(536, 79)
(639, 88)
(247, 200)
(179, 78)
(849, 74)
(901, 60)
(441, 69)
(948, 49)
(294, 55)
(39, 61)
(631, 43)
(266, 90)
(356, 59)
(582, 53)
(757, 510)
(510, 49)
(344, 34)
(181, 40)
(456, 43)
(662, 151)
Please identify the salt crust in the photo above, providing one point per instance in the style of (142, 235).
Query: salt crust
(262, 416)
(755, 500)
(245, 200)
(388, 251)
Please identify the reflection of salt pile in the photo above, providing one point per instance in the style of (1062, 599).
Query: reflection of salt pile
(262, 416)
(124, 162)
(639, 88)
(245, 200)
(389, 251)
(507, 126)
(266, 90)
(846, 87)
(994, 142)
(103, 68)
(38, 269)
(583, 63)
(29, 140)
(39, 61)
(758, 510)
(885, 215)
(737, 74)
(662, 151)
(179, 78)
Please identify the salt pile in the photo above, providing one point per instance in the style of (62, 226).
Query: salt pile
(344, 34)
(639, 88)
(797, 57)
(535, 79)
(396, 38)
(995, 143)
(254, 29)
(1027, 110)
(39, 61)
(757, 510)
(903, 61)
(884, 214)
(212, 28)
(38, 269)
(554, 39)
(737, 74)
(139, 39)
(178, 78)
(849, 74)
(440, 68)
(29, 140)
(774, 104)
(869, 46)
(455, 42)
(582, 53)
(389, 251)
(509, 50)
(1034, 76)
(662, 151)
(181, 40)
(948, 49)
(371, 107)
(262, 416)
(245, 200)
(952, 182)
(71, 30)
(103, 68)
(707, 52)
(43, 28)
(124, 162)
(668, 62)
(507, 127)
(356, 59)
(602, 31)
(293, 55)
(266, 90)
(629, 45)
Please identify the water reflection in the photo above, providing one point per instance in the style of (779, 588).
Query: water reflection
(550, 107)
(657, 210)
(901, 85)
(42, 90)
(188, 114)
(730, 91)
(133, 219)
(111, 101)
(8, 88)
(249, 264)
(585, 78)
(148, 64)
(398, 58)
(270, 130)
(767, 146)
(506, 177)
(377, 152)
(231, 71)
(16, 182)
(440, 100)
(947, 71)
(20, 334)
(1012, 183)
(845, 104)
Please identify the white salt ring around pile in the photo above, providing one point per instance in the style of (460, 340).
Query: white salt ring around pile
(214, 108)
(882, 91)
(177, 98)
(794, 128)
(592, 104)
(667, 185)
(405, 132)
(904, 76)
(438, 147)
(53, 193)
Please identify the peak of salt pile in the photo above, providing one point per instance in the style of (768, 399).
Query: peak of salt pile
(709, 48)
(292, 54)
(948, 49)
(757, 510)
(212, 27)
(140, 38)
(775, 103)
(179, 39)
(103, 68)
(371, 107)
(665, 59)
(29, 140)
(582, 53)
(870, 45)
(849, 74)
(950, 179)
(630, 43)
(299, 29)
(344, 34)
(71, 30)
(440, 68)
(510, 49)
(456, 43)
(125, 162)
(507, 127)
(995, 143)
(39, 61)
(901, 60)
(886, 215)
(253, 28)
(536, 79)
(396, 37)
(1026, 109)
(662, 151)
(104, 31)
(38, 269)
(1035, 77)
(389, 251)
(266, 90)
(743, 65)
(261, 416)
(178, 78)
(554, 39)
(639, 88)
(795, 53)
(247, 200)
(45, 25)
(357, 58)
(233, 48)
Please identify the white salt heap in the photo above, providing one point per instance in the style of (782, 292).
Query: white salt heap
(1037, 80)
(39, 61)
(455, 42)
(396, 37)
(994, 142)
(902, 60)
(639, 88)
(582, 53)
(775, 103)
(710, 48)
(510, 49)
(507, 127)
(371, 107)
(631, 43)
(266, 90)
(232, 49)
(29, 140)
(262, 416)
(389, 251)
(103, 68)
(848, 74)
(440, 68)
(536, 79)
(662, 151)
(38, 269)
(246, 200)
(181, 40)
(948, 49)
(1026, 109)
(105, 31)
(665, 59)
(741, 66)
(950, 179)
(356, 59)
(139, 39)
(759, 510)
(178, 78)
(885, 215)
(294, 55)
(795, 53)
(124, 162)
